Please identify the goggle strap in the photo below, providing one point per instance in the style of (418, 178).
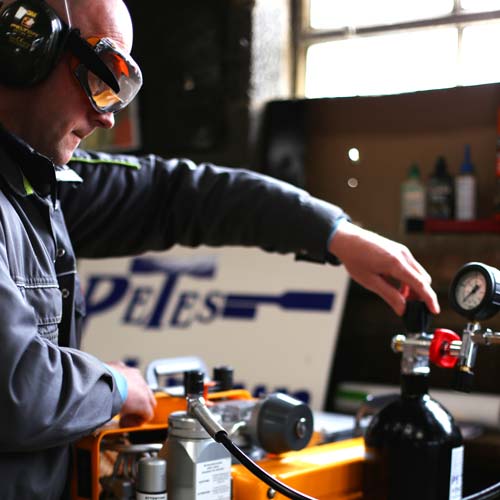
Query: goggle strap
(87, 56)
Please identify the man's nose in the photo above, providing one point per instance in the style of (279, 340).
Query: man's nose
(105, 120)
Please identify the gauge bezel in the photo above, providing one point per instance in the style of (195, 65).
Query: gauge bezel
(487, 307)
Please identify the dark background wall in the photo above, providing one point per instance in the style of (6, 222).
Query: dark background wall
(195, 56)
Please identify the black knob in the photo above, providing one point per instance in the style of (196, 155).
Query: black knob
(284, 423)
(416, 317)
(223, 376)
(463, 380)
(194, 382)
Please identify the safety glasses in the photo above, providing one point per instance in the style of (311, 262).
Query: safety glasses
(112, 90)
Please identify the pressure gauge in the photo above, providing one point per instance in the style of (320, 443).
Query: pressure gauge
(475, 291)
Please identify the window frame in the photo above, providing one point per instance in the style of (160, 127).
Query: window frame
(303, 36)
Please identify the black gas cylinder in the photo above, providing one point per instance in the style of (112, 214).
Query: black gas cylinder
(415, 449)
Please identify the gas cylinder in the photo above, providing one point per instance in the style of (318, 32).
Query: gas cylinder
(415, 449)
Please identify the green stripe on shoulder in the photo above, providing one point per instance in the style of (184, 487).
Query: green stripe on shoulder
(124, 163)
(27, 186)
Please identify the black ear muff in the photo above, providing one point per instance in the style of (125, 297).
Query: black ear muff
(32, 37)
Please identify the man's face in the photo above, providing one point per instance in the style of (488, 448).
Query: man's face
(57, 114)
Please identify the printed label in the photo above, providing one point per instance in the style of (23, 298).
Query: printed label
(151, 496)
(457, 464)
(413, 204)
(213, 480)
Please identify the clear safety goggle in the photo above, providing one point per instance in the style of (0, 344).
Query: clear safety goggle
(125, 70)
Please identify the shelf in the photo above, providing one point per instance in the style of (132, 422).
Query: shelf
(462, 226)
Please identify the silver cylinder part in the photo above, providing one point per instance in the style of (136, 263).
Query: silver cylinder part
(152, 476)
(198, 467)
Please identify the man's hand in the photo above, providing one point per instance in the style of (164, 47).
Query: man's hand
(377, 262)
(140, 403)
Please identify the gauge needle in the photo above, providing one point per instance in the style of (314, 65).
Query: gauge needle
(472, 292)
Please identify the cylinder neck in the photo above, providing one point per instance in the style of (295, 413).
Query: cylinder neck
(414, 385)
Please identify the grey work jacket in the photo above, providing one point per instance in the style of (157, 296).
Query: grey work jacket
(51, 393)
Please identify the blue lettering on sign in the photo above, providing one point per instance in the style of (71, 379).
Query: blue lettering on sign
(146, 306)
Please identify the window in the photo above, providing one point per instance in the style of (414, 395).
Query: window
(373, 47)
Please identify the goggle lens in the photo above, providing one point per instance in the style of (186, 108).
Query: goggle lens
(123, 67)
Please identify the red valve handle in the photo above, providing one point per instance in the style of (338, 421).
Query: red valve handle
(438, 352)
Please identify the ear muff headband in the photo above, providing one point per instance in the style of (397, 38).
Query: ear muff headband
(32, 38)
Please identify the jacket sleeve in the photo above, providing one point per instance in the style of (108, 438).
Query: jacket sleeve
(127, 205)
(51, 395)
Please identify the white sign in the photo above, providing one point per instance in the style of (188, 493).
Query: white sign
(271, 318)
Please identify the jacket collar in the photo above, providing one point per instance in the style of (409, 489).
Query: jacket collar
(28, 171)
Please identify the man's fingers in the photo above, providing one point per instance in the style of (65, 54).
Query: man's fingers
(408, 274)
(388, 292)
(424, 292)
(391, 295)
(416, 265)
(369, 258)
(396, 297)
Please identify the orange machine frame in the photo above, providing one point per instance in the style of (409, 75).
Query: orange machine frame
(331, 471)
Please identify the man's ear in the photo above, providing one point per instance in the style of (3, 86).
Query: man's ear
(32, 37)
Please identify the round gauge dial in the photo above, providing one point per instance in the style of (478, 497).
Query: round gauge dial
(475, 291)
(470, 290)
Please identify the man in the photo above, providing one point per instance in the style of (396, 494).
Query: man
(52, 393)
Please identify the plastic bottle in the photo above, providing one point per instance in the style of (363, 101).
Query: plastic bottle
(440, 202)
(413, 201)
(465, 189)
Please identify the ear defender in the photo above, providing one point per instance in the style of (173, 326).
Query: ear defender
(32, 37)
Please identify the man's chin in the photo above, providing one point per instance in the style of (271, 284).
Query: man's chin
(63, 156)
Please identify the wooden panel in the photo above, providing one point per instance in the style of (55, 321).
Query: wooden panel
(391, 132)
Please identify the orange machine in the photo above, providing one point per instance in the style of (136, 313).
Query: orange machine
(104, 465)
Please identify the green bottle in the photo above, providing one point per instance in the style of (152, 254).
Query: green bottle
(413, 201)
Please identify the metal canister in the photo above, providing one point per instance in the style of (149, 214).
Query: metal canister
(198, 467)
(151, 479)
